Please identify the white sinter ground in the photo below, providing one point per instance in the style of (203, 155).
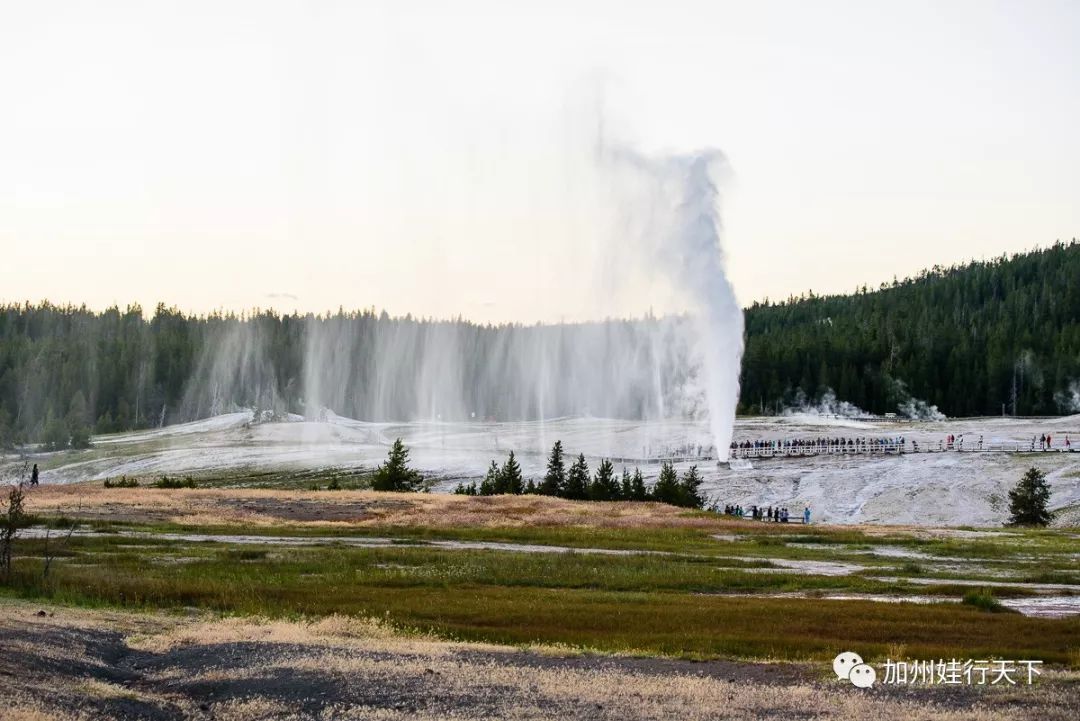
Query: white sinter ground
(940, 488)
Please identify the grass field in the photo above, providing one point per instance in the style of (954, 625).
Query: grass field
(693, 584)
(644, 604)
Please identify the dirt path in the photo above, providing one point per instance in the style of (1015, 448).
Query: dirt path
(77, 664)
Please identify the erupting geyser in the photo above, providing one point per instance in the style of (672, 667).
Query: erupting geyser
(720, 318)
(682, 240)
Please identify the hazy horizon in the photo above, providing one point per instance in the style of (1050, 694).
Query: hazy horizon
(149, 308)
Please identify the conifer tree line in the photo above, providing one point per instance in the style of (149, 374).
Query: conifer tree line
(576, 483)
(977, 339)
(68, 371)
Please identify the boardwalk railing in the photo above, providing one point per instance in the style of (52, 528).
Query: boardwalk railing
(864, 449)
(896, 449)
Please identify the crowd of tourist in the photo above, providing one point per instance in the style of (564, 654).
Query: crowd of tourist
(758, 513)
(805, 446)
(895, 444)
(1046, 443)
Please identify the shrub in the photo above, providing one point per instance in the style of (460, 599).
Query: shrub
(122, 482)
(80, 437)
(911, 568)
(984, 600)
(12, 519)
(166, 482)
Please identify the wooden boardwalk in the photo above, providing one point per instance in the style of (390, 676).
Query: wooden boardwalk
(895, 450)
(867, 450)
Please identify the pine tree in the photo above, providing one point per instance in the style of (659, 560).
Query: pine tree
(530, 488)
(77, 410)
(80, 436)
(463, 490)
(577, 480)
(667, 488)
(689, 489)
(56, 436)
(1028, 501)
(638, 491)
(395, 474)
(510, 477)
(492, 481)
(555, 478)
(7, 434)
(626, 488)
(604, 487)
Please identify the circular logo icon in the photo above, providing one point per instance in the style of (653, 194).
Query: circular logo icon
(846, 661)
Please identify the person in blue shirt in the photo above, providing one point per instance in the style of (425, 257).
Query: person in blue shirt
(806, 515)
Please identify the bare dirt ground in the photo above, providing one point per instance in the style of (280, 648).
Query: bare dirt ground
(64, 663)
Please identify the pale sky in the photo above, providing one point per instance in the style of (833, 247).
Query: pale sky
(433, 157)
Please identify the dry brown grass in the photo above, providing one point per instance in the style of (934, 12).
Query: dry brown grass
(22, 710)
(264, 507)
(342, 631)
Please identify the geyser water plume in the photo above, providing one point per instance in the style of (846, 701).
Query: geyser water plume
(681, 239)
(233, 370)
(398, 369)
(683, 364)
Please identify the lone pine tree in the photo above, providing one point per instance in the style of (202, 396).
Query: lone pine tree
(1028, 501)
(395, 474)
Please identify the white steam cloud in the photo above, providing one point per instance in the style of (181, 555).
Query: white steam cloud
(913, 408)
(829, 407)
(1069, 401)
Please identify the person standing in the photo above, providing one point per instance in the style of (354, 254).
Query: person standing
(806, 516)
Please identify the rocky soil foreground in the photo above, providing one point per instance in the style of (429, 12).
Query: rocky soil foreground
(63, 663)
